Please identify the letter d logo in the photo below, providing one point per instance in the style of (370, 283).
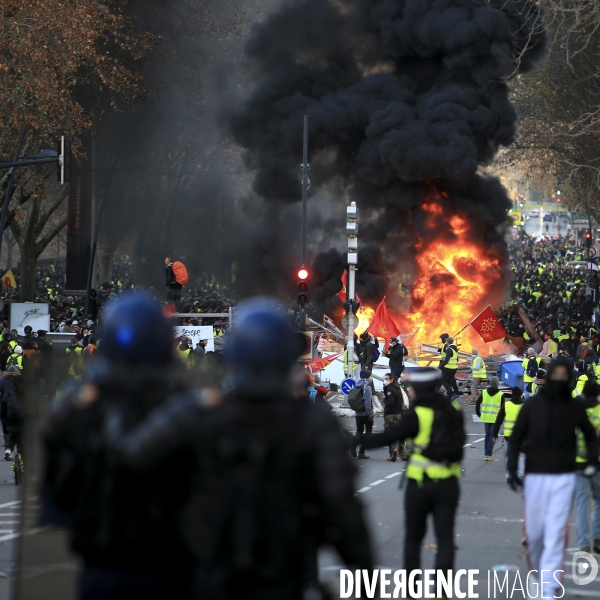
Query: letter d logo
(579, 570)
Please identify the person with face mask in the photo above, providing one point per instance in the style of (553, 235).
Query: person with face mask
(547, 428)
(392, 413)
(396, 353)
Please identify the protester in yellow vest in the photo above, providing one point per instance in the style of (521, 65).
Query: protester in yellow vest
(587, 489)
(530, 369)
(433, 471)
(184, 351)
(487, 408)
(74, 352)
(478, 373)
(509, 411)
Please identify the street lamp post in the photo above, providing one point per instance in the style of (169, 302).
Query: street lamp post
(352, 231)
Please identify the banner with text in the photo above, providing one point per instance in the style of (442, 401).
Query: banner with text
(197, 333)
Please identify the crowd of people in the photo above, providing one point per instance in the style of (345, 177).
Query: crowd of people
(204, 293)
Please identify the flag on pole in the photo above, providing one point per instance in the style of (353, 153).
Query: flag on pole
(8, 279)
(383, 325)
(487, 326)
(343, 293)
(322, 361)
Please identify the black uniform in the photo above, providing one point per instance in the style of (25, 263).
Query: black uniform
(436, 497)
(122, 523)
(272, 482)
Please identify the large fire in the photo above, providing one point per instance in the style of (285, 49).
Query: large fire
(456, 277)
(365, 316)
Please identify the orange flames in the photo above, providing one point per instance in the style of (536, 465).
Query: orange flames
(456, 277)
(365, 316)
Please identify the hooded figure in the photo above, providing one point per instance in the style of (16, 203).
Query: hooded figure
(547, 427)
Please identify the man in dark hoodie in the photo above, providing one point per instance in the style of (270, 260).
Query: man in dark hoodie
(509, 411)
(547, 425)
(449, 366)
(488, 407)
(432, 484)
(587, 489)
(364, 418)
(392, 413)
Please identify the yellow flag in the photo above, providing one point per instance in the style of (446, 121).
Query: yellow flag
(8, 279)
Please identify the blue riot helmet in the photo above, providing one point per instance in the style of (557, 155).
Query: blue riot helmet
(136, 330)
(262, 339)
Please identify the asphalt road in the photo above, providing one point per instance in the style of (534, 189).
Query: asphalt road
(489, 525)
(10, 519)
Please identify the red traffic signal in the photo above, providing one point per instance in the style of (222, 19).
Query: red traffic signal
(588, 240)
(302, 274)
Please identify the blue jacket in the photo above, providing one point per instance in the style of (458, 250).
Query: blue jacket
(368, 412)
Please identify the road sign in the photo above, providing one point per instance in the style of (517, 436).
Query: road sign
(592, 252)
(346, 321)
(347, 385)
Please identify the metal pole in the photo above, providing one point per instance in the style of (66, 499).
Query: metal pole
(11, 182)
(94, 238)
(352, 231)
(302, 314)
(304, 189)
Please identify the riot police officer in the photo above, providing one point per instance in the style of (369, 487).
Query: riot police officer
(272, 480)
(121, 523)
(436, 428)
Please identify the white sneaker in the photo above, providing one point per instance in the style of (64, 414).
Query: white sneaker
(7, 455)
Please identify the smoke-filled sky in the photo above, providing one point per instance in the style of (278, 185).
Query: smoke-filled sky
(399, 94)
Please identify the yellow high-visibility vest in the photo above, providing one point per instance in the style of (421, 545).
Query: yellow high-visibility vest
(490, 406)
(478, 367)
(419, 465)
(512, 412)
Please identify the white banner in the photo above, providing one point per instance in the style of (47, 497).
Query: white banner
(197, 333)
(35, 314)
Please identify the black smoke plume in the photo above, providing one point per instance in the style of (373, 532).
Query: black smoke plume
(399, 94)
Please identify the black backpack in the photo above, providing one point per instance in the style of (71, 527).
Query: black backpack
(447, 436)
(356, 399)
(376, 354)
(532, 367)
(14, 405)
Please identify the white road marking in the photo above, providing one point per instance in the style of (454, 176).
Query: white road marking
(10, 522)
(476, 419)
(8, 536)
(10, 504)
(393, 475)
(377, 482)
(473, 442)
(10, 514)
(363, 490)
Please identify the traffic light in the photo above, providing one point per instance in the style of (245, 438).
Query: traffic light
(303, 287)
(64, 159)
(588, 239)
(351, 306)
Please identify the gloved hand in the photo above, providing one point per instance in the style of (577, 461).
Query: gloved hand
(590, 471)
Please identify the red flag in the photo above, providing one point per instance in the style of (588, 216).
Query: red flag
(383, 325)
(488, 327)
(343, 293)
(321, 362)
